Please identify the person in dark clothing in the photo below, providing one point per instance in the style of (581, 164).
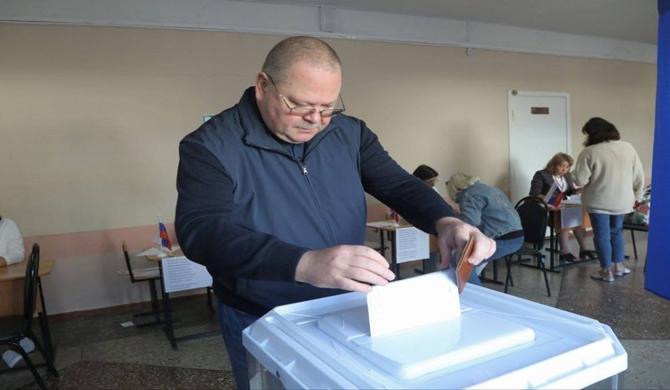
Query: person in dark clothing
(427, 174)
(558, 171)
(271, 195)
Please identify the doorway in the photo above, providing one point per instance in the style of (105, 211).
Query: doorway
(539, 127)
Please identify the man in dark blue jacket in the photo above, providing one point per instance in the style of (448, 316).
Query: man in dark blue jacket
(272, 194)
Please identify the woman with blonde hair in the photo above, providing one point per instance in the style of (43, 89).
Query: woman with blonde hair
(490, 210)
(558, 171)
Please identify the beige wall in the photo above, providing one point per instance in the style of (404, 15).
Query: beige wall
(90, 117)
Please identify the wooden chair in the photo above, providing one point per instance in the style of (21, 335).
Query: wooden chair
(14, 328)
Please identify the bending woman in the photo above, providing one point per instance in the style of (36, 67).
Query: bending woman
(490, 210)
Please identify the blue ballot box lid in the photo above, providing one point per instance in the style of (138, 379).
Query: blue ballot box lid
(499, 341)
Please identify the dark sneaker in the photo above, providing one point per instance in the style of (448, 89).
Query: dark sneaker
(567, 257)
(603, 275)
(588, 255)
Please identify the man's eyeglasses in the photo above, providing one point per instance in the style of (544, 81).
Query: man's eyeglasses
(304, 109)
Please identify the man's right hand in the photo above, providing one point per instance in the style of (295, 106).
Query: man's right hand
(347, 267)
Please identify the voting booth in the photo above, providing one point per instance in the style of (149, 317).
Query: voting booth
(494, 340)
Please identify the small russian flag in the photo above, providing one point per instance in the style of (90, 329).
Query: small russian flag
(165, 238)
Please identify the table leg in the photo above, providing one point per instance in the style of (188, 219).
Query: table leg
(394, 262)
(382, 242)
(167, 312)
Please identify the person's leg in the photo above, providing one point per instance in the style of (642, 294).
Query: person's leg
(602, 243)
(580, 235)
(232, 323)
(563, 236)
(503, 248)
(617, 242)
(565, 254)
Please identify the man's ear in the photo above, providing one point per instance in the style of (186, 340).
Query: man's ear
(261, 85)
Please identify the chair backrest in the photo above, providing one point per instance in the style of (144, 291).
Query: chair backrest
(534, 214)
(30, 284)
(124, 246)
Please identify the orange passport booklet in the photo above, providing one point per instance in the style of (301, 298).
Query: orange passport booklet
(464, 267)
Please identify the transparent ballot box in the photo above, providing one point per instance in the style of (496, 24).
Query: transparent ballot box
(498, 342)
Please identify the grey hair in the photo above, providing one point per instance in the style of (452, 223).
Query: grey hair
(299, 49)
(458, 182)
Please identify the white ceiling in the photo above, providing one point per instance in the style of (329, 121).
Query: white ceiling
(629, 20)
(606, 29)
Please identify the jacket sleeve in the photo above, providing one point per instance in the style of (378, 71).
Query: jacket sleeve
(638, 178)
(582, 171)
(384, 179)
(536, 184)
(15, 251)
(206, 233)
(571, 190)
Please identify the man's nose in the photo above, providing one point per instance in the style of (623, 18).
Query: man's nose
(314, 116)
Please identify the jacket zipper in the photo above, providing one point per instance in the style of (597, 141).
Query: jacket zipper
(305, 172)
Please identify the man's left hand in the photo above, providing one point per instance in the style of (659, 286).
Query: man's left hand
(453, 234)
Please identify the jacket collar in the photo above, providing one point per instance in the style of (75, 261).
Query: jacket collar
(257, 134)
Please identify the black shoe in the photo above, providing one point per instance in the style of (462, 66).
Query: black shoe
(588, 255)
(569, 257)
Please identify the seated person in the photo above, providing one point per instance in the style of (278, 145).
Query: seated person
(558, 171)
(640, 214)
(429, 176)
(12, 251)
(490, 210)
(11, 243)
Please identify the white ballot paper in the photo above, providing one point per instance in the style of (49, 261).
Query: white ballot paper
(408, 303)
(180, 274)
(411, 244)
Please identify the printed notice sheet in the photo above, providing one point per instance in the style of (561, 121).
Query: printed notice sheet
(411, 244)
(180, 274)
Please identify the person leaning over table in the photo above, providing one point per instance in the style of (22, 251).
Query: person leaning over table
(489, 209)
(558, 171)
(613, 179)
(271, 195)
(12, 252)
(429, 177)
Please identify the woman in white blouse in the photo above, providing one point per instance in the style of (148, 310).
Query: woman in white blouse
(12, 251)
(11, 243)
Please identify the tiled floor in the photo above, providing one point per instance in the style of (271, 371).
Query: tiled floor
(95, 352)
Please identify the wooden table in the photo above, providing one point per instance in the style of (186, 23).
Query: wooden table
(11, 286)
